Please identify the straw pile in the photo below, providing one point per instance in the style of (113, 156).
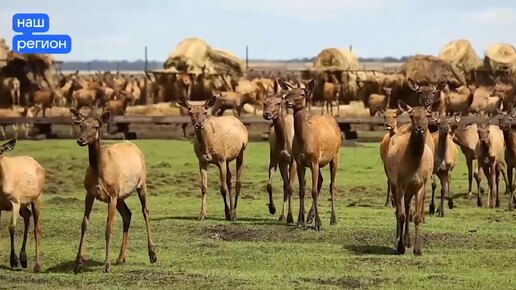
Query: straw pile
(431, 69)
(192, 55)
(461, 54)
(500, 56)
(335, 59)
(4, 51)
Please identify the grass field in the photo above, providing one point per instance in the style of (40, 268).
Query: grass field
(468, 248)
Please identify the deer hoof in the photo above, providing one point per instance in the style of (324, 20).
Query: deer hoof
(333, 219)
(317, 224)
(107, 268)
(417, 252)
(450, 203)
(282, 218)
(14, 261)
(272, 208)
(120, 260)
(152, 255)
(37, 268)
(290, 219)
(431, 209)
(23, 259)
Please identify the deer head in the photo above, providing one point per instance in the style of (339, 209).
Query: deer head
(90, 126)
(296, 98)
(199, 113)
(505, 119)
(419, 117)
(389, 117)
(271, 107)
(429, 94)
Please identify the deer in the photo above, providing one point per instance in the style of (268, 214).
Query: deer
(445, 159)
(331, 91)
(490, 155)
(409, 166)
(316, 143)
(114, 172)
(280, 142)
(218, 140)
(22, 180)
(509, 135)
(391, 125)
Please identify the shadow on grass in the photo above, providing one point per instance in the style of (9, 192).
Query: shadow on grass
(243, 219)
(8, 268)
(369, 250)
(68, 267)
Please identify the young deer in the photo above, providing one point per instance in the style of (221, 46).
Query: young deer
(115, 171)
(509, 135)
(316, 144)
(490, 155)
(218, 140)
(391, 125)
(445, 159)
(280, 142)
(409, 166)
(22, 179)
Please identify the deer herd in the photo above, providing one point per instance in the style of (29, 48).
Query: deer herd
(411, 154)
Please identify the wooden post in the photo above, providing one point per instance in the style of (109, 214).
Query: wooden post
(246, 57)
(145, 99)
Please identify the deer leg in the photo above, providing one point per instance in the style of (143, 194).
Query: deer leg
(431, 208)
(204, 188)
(142, 194)
(478, 179)
(109, 231)
(469, 162)
(310, 217)
(499, 171)
(315, 194)
(388, 198)
(406, 235)
(449, 192)
(511, 190)
(492, 185)
(238, 181)
(25, 214)
(444, 177)
(272, 167)
(126, 214)
(88, 204)
(400, 218)
(224, 190)
(36, 205)
(291, 175)
(302, 183)
(284, 175)
(183, 126)
(420, 197)
(334, 165)
(12, 229)
(2, 131)
(228, 184)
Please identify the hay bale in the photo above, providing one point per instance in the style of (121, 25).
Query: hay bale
(500, 56)
(335, 59)
(431, 69)
(4, 51)
(461, 54)
(193, 55)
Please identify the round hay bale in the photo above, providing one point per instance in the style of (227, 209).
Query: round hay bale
(4, 51)
(194, 55)
(335, 59)
(431, 69)
(500, 56)
(461, 54)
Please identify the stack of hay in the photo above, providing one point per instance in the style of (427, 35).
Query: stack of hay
(431, 69)
(194, 55)
(461, 54)
(4, 52)
(335, 59)
(500, 57)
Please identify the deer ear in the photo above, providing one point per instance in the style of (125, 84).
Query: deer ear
(403, 107)
(309, 88)
(413, 85)
(77, 117)
(184, 103)
(284, 85)
(8, 146)
(209, 103)
(440, 86)
(104, 118)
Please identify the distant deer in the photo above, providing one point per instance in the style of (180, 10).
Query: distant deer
(490, 155)
(280, 141)
(409, 166)
(509, 135)
(331, 90)
(445, 159)
(218, 140)
(316, 144)
(22, 179)
(391, 124)
(114, 172)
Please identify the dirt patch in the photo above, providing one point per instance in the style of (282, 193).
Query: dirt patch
(262, 233)
(347, 282)
(449, 239)
(234, 233)
(64, 201)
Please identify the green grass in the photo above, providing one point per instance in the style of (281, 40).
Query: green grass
(469, 248)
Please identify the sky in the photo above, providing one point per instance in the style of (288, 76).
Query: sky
(273, 29)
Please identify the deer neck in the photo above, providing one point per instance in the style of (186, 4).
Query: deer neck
(300, 125)
(442, 144)
(416, 147)
(393, 130)
(510, 138)
(201, 139)
(281, 127)
(94, 155)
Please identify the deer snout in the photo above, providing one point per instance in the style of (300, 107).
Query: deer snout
(82, 142)
(267, 115)
(387, 125)
(198, 125)
(419, 129)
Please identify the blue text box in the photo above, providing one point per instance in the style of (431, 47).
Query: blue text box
(31, 22)
(42, 43)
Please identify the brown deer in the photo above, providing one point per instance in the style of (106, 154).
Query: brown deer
(445, 159)
(316, 144)
(490, 155)
(218, 140)
(331, 90)
(280, 142)
(22, 179)
(114, 172)
(509, 135)
(409, 166)
(390, 121)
